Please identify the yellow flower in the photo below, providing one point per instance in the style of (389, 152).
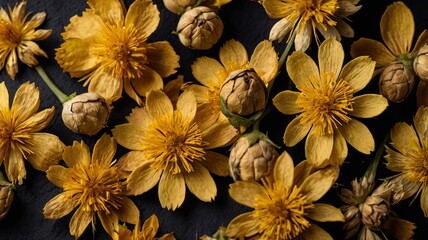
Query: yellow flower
(304, 17)
(233, 56)
(171, 146)
(17, 38)
(409, 156)
(147, 232)
(110, 52)
(19, 133)
(284, 204)
(93, 184)
(326, 102)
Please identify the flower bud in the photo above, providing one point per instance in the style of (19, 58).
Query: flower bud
(199, 28)
(251, 161)
(375, 211)
(86, 113)
(420, 64)
(6, 199)
(178, 6)
(396, 82)
(352, 220)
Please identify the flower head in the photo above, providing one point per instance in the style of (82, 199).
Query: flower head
(93, 185)
(147, 231)
(171, 146)
(327, 102)
(284, 205)
(304, 17)
(19, 133)
(109, 50)
(17, 36)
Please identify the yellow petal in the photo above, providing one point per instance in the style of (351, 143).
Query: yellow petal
(59, 175)
(314, 232)
(142, 179)
(284, 170)
(173, 88)
(424, 199)
(422, 40)
(301, 67)
(243, 225)
(77, 153)
(301, 172)
(106, 85)
(303, 37)
(233, 55)
(110, 223)
(374, 49)
(330, 32)
(110, 11)
(59, 206)
(129, 135)
(285, 102)
(264, 60)
(129, 162)
(158, 104)
(358, 72)
(277, 9)
(358, 135)
(4, 101)
(172, 190)
(344, 28)
(399, 228)
(368, 105)
(46, 150)
(200, 183)
(128, 212)
(150, 81)
(397, 28)
(79, 222)
(219, 135)
(186, 104)
(216, 163)
(330, 57)
(340, 150)
(295, 132)
(12, 64)
(245, 192)
(83, 27)
(104, 150)
(14, 166)
(140, 117)
(318, 183)
(325, 213)
(410, 188)
(318, 149)
(397, 162)
(421, 122)
(162, 58)
(404, 137)
(37, 122)
(209, 72)
(281, 29)
(150, 227)
(144, 15)
(25, 103)
(129, 89)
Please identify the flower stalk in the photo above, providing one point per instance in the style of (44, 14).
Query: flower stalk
(62, 97)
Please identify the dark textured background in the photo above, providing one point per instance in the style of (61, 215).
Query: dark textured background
(245, 21)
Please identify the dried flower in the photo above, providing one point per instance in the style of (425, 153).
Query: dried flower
(147, 232)
(396, 82)
(110, 52)
(420, 64)
(327, 103)
(219, 235)
(17, 38)
(86, 113)
(284, 204)
(94, 186)
(178, 6)
(171, 147)
(19, 133)
(375, 211)
(6, 197)
(304, 17)
(199, 28)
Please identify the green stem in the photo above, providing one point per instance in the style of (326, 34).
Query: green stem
(58, 93)
(371, 170)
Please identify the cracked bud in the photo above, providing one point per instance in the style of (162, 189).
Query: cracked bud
(352, 220)
(199, 28)
(6, 199)
(178, 6)
(86, 113)
(375, 211)
(420, 64)
(396, 82)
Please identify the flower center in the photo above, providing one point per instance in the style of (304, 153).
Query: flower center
(321, 11)
(173, 143)
(9, 34)
(282, 214)
(325, 103)
(98, 187)
(5, 131)
(417, 164)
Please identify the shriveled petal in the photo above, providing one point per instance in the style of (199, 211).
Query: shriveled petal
(200, 183)
(106, 85)
(150, 227)
(358, 135)
(303, 37)
(173, 88)
(285, 102)
(104, 150)
(143, 15)
(340, 150)
(264, 60)
(216, 163)
(301, 172)
(344, 28)
(318, 183)
(129, 135)
(110, 223)
(14, 166)
(374, 49)
(172, 190)
(284, 170)
(26, 102)
(158, 104)
(110, 11)
(300, 68)
(79, 222)
(281, 29)
(330, 32)
(150, 81)
(424, 199)
(404, 137)
(12, 64)
(162, 58)
(59, 175)
(142, 179)
(37, 121)
(129, 89)
(243, 225)
(233, 55)
(4, 101)
(129, 162)
(325, 213)
(187, 105)
(410, 188)
(314, 232)
(421, 122)
(35, 21)
(318, 149)
(128, 212)
(358, 72)
(77, 153)
(399, 228)
(422, 40)
(295, 132)
(245, 192)
(397, 162)
(368, 105)
(209, 72)
(276, 9)
(59, 206)
(330, 57)
(397, 28)
(139, 116)
(83, 27)
(45, 150)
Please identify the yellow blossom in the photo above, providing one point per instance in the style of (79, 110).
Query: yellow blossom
(172, 147)
(326, 104)
(19, 133)
(94, 186)
(303, 17)
(147, 232)
(107, 48)
(284, 204)
(17, 38)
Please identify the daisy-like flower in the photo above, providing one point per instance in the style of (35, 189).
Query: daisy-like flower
(171, 147)
(284, 204)
(408, 155)
(19, 133)
(303, 18)
(233, 56)
(109, 50)
(94, 186)
(17, 36)
(147, 231)
(326, 104)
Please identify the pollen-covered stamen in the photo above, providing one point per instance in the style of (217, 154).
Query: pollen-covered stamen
(5, 130)
(325, 103)
(416, 166)
(9, 34)
(321, 11)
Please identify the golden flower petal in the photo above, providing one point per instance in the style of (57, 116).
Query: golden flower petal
(325, 213)
(318, 183)
(420, 122)
(314, 232)
(129, 89)
(399, 228)
(404, 137)
(295, 132)
(358, 72)
(219, 135)
(150, 227)
(129, 162)
(106, 85)
(206, 114)
(264, 60)
(187, 106)
(61, 205)
(128, 212)
(104, 150)
(83, 27)
(144, 15)
(281, 29)
(374, 49)
(110, 223)
(171, 190)
(397, 28)
(129, 135)
(397, 162)
(209, 72)
(111, 11)
(330, 57)
(277, 9)
(347, 8)
(330, 32)
(243, 225)
(245, 192)
(158, 104)
(46, 150)
(358, 135)
(162, 58)
(216, 163)
(150, 81)
(139, 116)
(340, 150)
(344, 28)
(173, 88)
(36, 122)
(285, 102)
(142, 179)
(301, 172)
(77, 153)
(318, 149)
(35, 21)
(368, 105)
(27, 51)
(233, 55)
(422, 40)
(283, 170)
(301, 67)
(409, 188)
(200, 183)
(14, 165)
(25, 103)
(303, 37)
(59, 175)
(4, 102)
(79, 222)
(424, 199)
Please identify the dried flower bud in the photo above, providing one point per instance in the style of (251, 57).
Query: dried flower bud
(252, 160)
(396, 82)
(420, 64)
(178, 6)
(352, 220)
(86, 113)
(199, 28)
(6, 199)
(375, 211)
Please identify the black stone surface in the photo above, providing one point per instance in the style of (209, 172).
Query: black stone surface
(245, 21)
